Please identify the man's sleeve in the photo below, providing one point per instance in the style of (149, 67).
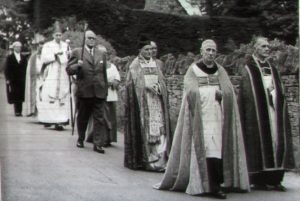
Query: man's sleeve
(73, 66)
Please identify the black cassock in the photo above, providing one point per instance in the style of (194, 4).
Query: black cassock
(15, 73)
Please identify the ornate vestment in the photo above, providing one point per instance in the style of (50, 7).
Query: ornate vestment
(187, 169)
(147, 132)
(33, 67)
(54, 89)
(264, 115)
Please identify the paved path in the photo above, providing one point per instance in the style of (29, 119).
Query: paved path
(39, 164)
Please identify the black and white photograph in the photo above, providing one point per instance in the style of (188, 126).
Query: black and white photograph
(152, 100)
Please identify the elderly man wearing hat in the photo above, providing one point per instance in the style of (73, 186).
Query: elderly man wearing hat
(54, 91)
(89, 65)
(147, 132)
(208, 148)
(15, 72)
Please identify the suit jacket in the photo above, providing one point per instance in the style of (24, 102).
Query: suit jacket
(15, 73)
(91, 75)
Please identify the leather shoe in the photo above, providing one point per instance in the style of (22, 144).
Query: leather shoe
(99, 149)
(47, 125)
(79, 144)
(59, 127)
(219, 195)
(107, 145)
(280, 188)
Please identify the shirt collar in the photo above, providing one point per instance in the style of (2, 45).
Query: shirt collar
(89, 48)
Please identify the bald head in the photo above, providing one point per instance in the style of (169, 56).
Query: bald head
(208, 44)
(208, 51)
(90, 33)
(259, 40)
(90, 38)
(17, 45)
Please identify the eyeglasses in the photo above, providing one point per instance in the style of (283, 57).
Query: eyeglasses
(91, 38)
(57, 34)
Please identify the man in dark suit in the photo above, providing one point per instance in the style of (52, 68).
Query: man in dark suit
(89, 65)
(15, 72)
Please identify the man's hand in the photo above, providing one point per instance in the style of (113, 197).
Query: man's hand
(80, 62)
(115, 84)
(154, 89)
(58, 53)
(271, 94)
(219, 95)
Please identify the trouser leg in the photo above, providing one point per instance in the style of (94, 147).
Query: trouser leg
(215, 173)
(84, 106)
(108, 125)
(18, 107)
(113, 120)
(99, 122)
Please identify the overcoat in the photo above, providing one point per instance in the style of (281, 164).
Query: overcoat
(15, 73)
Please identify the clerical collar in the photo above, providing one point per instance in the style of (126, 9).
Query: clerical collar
(144, 60)
(263, 65)
(207, 70)
(259, 60)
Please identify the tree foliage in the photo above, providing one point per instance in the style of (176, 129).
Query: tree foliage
(278, 17)
(14, 24)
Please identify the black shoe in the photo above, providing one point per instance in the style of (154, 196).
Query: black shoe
(107, 145)
(59, 127)
(79, 144)
(18, 114)
(280, 188)
(219, 195)
(47, 125)
(99, 149)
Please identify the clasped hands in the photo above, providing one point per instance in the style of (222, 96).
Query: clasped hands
(58, 53)
(271, 94)
(154, 89)
(114, 84)
(219, 95)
